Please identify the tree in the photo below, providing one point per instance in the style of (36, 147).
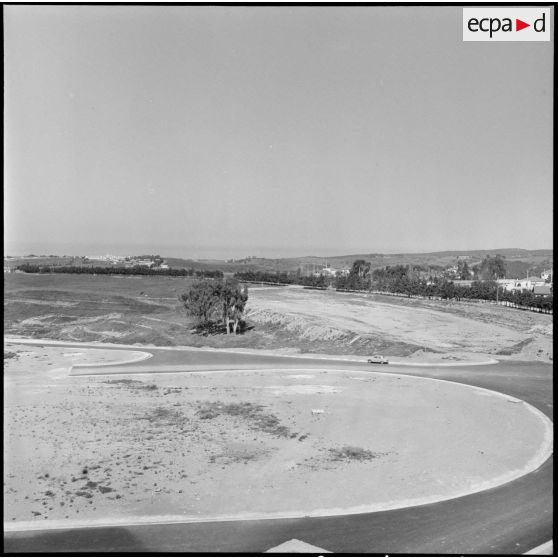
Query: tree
(240, 300)
(232, 300)
(201, 301)
(447, 289)
(492, 267)
(360, 268)
(463, 271)
(216, 299)
(359, 276)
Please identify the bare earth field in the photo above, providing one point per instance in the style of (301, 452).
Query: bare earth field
(146, 310)
(227, 444)
(199, 445)
(362, 324)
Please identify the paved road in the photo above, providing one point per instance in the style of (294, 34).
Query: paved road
(509, 519)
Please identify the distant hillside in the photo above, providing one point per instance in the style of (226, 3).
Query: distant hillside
(519, 262)
(529, 258)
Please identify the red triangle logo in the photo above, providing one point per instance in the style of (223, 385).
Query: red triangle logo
(519, 25)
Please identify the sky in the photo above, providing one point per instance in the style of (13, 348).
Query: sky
(233, 131)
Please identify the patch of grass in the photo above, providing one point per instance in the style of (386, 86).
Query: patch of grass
(254, 414)
(217, 328)
(515, 348)
(352, 453)
(164, 416)
(148, 387)
(9, 354)
(136, 384)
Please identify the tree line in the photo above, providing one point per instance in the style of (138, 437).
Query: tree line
(406, 280)
(285, 278)
(114, 270)
(416, 281)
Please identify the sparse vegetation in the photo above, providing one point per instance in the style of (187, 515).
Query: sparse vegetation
(134, 384)
(515, 348)
(254, 414)
(352, 453)
(165, 416)
(236, 454)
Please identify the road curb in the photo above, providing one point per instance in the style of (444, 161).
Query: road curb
(140, 358)
(99, 345)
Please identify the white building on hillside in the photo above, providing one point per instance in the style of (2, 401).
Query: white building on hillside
(527, 284)
(144, 263)
(106, 258)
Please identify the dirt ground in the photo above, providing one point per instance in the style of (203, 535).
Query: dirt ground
(146, 310)
(363, 324)
(215, 444)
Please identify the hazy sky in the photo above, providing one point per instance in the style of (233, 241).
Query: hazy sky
(233, 131)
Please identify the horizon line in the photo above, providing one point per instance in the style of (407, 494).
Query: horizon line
(346, 255)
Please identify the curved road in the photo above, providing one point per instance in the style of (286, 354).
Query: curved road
(509, 519)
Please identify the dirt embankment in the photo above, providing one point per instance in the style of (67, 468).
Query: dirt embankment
(362, 324)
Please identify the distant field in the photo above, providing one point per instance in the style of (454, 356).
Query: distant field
(127, 310)
(134, 286)
(146, 310)
(95, 307)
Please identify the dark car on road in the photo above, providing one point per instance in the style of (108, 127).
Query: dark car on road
(378, 359)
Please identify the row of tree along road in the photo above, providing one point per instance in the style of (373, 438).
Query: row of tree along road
(413, 282)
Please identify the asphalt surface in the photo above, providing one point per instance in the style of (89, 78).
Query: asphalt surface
(509, 519)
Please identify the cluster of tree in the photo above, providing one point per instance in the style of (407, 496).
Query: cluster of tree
(113, 270)
(267, 277)
(463, 271)
(221, 300)
(406, 280)
(285, 278)
(489, 290)
(358, 279)
(491, 267)
(315, 281)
